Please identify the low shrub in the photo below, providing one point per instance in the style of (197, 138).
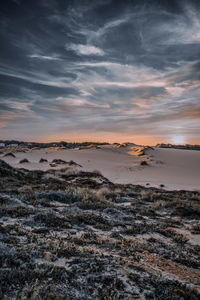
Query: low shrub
(9, 154)
(25, 160)
(70, 195)
(42, 160)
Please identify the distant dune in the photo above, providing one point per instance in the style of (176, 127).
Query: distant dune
(168, 168)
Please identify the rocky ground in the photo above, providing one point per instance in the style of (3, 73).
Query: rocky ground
(76, 235)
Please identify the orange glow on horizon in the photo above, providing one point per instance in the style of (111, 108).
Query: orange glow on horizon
(108, 137)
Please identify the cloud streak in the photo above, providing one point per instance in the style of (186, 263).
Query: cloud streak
(85, 49)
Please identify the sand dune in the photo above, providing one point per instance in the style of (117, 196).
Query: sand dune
(173, 168)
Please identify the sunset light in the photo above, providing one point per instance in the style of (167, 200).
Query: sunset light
(177, 139)
(100, 149)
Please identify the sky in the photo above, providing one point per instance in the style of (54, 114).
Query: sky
(100, 70)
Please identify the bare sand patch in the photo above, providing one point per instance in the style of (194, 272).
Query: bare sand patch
(167, 168)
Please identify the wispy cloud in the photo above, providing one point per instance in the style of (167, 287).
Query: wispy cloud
(43, 57)
(95, 35)
(184, 29)
(85, 49)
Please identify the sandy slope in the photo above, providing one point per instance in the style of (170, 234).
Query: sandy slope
(176, 169)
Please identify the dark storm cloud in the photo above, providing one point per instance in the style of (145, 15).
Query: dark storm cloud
(119, 65)
(14, 87)
(4, 107)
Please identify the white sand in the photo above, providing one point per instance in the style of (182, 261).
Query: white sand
(176, 169)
